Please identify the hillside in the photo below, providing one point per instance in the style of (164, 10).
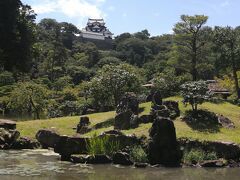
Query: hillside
(65, 125)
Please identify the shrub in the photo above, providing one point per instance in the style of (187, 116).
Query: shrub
(198, 155)
(102, 145)
(194, 93)
(138, 154)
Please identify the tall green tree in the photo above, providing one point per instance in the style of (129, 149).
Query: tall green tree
(17, 29)
(227, 40)
(190, 39)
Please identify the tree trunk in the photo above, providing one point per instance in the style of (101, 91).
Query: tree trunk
(234, 69)
(194, 59)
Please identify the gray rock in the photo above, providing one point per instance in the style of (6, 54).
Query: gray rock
(7, 124)
(128, 102)
(213, 163)
(67, 146)
(47, 138)
(163, 147)
(122, 158)
(83, 125)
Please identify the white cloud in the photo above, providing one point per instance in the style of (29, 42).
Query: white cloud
(71, 8)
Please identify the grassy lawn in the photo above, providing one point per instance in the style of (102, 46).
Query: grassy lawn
(65, 125)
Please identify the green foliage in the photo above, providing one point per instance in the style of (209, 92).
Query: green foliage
(227, 41)
(111, 82)
(29, 97)
(6, 78)
(194, 93)
(102, 145)
(198, 155)
(168, 83)
(138, 154)
(191, 40)
(17, 28)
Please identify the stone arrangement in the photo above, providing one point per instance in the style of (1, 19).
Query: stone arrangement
(10, 137)
(127, 112)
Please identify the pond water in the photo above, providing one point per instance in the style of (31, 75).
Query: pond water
(44, 164)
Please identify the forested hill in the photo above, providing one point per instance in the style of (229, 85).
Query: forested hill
(45, 71)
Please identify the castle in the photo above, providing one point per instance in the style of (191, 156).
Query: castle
(96, 30)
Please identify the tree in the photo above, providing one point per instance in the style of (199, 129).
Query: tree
(227, 40)
(29, 97)
(17, 28)
(191, 39)
(194, 93)
(111, 82)
(134, 51)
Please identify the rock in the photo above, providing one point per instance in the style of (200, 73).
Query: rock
(7, 124)
(78, 159)
(140, 165)
(99, 159)
(134, 121)
(157, 98)
(128, 102)
(173, 108)
(25, 143)
(145, 119)
(47, 138)
(122, 158)
(91, 159)
(225, 122)
(8, 137)
(163, 147)
(83, 125)
(213, 163)
(122, 139)
(122, 120)
(67, 146)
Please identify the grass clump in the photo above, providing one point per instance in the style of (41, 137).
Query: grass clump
(102, 145)
(198, 155)
(138, 154)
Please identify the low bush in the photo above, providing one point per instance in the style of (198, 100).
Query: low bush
(138, 154)
(198, 155)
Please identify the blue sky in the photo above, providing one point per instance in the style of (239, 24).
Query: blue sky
(158, 16)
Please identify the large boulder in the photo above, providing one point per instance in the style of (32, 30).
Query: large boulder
(7, 124)
(126, 120)
(127, 112)
(47, 138)
(163, 147)
(66, 146)
(83, 125)
(128, 102)
(8, 137)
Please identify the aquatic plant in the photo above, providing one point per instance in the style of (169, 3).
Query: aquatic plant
(102, 145)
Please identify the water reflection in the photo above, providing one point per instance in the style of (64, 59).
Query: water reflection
(44, 164)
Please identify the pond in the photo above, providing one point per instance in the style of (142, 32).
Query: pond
(45, 164)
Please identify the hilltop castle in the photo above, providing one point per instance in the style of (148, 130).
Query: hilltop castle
(96, 30)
